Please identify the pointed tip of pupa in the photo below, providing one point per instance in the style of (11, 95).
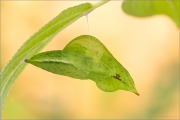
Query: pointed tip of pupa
(135, 91)
(137, 94)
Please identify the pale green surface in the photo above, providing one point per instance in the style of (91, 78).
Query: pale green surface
(37, 42)
(86, 57)
(145, 8)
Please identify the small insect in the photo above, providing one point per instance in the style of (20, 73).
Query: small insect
(79, 59)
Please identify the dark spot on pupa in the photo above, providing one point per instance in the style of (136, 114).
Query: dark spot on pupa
(117, 76)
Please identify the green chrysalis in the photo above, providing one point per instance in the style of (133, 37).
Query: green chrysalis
(84, 58)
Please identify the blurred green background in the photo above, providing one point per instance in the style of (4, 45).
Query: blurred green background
(148, 48)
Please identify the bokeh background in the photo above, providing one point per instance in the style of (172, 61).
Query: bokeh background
(148, 48)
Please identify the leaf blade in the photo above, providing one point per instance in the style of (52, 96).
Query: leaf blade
(145, 8)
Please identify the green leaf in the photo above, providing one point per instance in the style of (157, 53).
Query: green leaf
(37, 42)
(145, 8)
(86, 57)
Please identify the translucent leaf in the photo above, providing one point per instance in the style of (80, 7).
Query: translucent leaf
(145, 8)
(86, 57)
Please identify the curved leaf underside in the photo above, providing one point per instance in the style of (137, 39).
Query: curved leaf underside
(145, 8)
(86, 57)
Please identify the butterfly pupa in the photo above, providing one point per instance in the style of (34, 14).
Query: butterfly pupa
(83, 61)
